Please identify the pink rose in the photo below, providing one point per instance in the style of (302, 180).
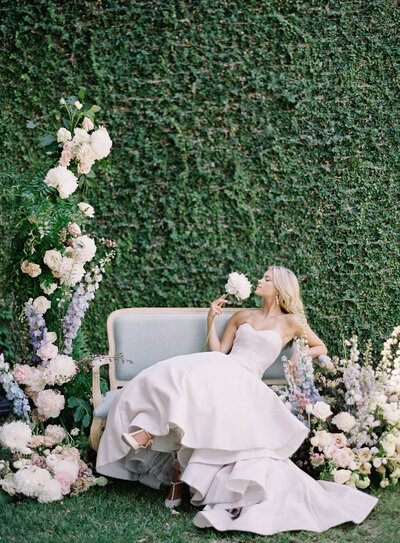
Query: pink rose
(49, 377)
(22, 374)
(74, 229)
(65, 480)
(47, 351)
(87, 124)
(67, 154)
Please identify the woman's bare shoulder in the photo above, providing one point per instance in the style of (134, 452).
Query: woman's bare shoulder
(291, 321)
(242, 316)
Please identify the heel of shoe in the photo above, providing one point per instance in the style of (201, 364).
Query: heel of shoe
(172, 504)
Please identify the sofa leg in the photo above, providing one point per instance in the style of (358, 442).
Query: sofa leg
(95, 429)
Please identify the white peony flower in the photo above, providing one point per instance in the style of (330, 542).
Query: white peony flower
(84, 248)
(341, 476)
(238, 285)
(75, 274)
(63, 135)
(16, 436)
(50, 492)
(344, 421)
(63, 180)
(35, 381)
(74, 229)
(101, 143)
(50, 289)
(63, 367)
(321, 439)
(42, 303)
(86, 209)
(7, 484)
(49, 403)
(321, 410)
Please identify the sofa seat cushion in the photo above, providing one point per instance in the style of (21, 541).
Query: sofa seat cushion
(101, 411)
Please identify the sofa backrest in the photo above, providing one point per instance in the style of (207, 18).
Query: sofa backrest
(144, 336)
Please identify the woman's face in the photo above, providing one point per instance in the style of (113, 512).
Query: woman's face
(266, 286)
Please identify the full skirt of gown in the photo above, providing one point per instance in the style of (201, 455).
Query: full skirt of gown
(233, 438)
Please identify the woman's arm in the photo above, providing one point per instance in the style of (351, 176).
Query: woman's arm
(225, 344)
(316, 346)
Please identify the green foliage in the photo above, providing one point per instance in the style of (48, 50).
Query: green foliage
(83, 411)
(245, 134)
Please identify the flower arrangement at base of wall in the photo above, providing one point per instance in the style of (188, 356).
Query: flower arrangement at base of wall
(53, 277)
(352, 409)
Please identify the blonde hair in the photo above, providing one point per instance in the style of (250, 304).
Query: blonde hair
(288, 290)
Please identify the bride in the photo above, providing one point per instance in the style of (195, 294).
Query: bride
(208, 421)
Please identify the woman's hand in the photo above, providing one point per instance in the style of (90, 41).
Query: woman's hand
(216, 306)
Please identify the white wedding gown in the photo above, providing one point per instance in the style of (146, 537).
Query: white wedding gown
(233, 437)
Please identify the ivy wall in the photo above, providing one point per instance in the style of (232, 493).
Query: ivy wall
(245, 134)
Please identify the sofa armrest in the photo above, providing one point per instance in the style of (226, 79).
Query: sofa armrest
(96, 364)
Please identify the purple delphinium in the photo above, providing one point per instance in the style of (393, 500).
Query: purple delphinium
(37, 328)
(80, 303)
(13, 392)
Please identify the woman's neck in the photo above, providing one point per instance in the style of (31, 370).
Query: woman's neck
(270, 308)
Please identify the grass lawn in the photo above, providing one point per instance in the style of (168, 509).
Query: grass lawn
(131, 513)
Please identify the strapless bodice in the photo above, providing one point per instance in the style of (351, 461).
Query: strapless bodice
(255, 350)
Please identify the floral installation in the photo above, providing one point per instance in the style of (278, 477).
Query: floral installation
(355, 431)
(41, 465)
(239, 286)
(54, 276)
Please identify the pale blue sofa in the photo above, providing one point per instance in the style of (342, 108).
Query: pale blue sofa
(144, 336)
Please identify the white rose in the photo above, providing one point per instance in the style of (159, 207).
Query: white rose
(51, 337)
(78, 105)
(344, 421)
(321, 410)
(63, 135)
(42, 303)
(86, 209)
(342, 476)
(52, 259)
(50, 289)
(101, 143)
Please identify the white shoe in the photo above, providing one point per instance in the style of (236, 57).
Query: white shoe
(172, 503)
(131, 441)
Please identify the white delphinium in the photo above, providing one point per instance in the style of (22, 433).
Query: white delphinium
(238, 285)
(16, 436)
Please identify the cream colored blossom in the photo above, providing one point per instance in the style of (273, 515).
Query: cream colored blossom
(87, 124)
(101, 143)
(33, 270)
(86, 209)
(341, 476)
(63, 135)
(344, 421)
(42, 304)
(321, 410)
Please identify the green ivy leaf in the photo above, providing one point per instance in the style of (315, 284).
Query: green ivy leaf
(47, 139)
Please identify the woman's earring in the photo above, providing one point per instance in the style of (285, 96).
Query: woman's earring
(277, 300)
